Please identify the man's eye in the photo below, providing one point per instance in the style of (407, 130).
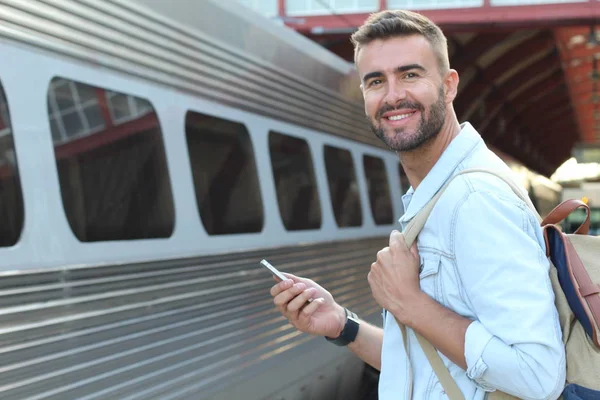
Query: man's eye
(411, 75)
(375, 82)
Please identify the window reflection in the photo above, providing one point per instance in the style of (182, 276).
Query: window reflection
(295, 182)
(224, 171)
(111, 163)
(379, 191)
(343, 187)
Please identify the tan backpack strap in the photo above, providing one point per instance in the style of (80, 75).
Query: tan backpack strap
(405, 340)
(449, 385)
(442, 373)
(411, 232)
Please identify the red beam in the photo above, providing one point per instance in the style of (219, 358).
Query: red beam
(382, 5)
(281, 8)
(106, 136)
(485, 17)
(104, 111)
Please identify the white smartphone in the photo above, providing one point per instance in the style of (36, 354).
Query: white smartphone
(273, 270)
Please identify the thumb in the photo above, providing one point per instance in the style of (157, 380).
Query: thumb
(395, 236)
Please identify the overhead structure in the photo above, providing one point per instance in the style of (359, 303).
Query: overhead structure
(529, 72)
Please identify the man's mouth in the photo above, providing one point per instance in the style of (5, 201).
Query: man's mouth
(397, 118)
(400, 116)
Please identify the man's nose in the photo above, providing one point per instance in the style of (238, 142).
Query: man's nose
(395, 93)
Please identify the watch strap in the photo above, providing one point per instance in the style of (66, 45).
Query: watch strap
(349, 332)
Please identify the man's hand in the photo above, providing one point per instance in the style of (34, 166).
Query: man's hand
(323, 316)
(394, 277)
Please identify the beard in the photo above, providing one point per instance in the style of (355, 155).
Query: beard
(427, 129)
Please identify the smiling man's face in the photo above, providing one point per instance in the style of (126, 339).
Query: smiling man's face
(403, 90)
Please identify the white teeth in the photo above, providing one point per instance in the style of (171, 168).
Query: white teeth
(398, 117)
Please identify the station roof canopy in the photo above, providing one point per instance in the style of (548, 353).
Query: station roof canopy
(529, 72)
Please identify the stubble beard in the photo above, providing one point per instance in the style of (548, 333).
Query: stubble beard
(426, 130)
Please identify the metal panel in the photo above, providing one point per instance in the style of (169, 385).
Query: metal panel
(185, 328)
(134, 39)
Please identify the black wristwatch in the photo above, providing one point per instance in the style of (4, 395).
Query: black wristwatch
(349, 332)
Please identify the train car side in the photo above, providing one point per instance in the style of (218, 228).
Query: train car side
(99, 301)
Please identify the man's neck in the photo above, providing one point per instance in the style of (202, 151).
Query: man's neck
(417, 163)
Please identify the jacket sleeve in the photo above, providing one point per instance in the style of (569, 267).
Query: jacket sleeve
(515, 343)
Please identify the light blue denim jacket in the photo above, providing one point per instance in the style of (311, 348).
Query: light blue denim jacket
(483, 256)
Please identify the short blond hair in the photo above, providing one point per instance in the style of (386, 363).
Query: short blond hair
(395, 23)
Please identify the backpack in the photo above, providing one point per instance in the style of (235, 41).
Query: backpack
(574, 273)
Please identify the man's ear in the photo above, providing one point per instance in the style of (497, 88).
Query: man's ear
(451, 85)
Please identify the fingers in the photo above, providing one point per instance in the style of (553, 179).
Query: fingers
(284, 297)
(281, 286)
(312, 307)
(300, 300)
(382, 254)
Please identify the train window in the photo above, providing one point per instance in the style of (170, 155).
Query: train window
(11, 198)
(111, 167)
(295, 182)
(379, 191)
(343, 187)
(225, 177)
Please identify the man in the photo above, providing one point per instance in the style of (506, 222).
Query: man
(477, 287)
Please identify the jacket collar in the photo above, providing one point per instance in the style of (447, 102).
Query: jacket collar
(460, 147)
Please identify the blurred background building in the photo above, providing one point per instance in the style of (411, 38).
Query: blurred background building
(528, 68)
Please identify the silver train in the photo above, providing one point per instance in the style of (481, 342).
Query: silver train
(153, 153)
